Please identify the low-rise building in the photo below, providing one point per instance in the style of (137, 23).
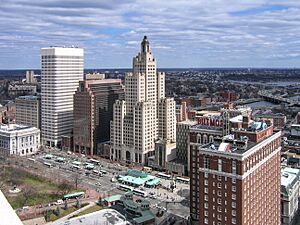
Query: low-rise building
(28, 110)
(290, 189)
(19, 140)
(295, 130)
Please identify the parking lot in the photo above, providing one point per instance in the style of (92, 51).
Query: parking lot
(73, 167)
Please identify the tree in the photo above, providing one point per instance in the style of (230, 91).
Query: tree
(64, 188)
(57, 211)
(100, 201)
(3, 177)
(78, 204)
(77, 180)
(66, 205)
(27, 193)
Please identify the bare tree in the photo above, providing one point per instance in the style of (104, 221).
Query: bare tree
(64, 188)
(77, 180)
(3, 177)
(27, 193)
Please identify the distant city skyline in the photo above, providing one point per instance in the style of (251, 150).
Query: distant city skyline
(184, 34)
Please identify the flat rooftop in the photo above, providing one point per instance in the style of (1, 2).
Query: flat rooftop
(10, 128)
(104, 216)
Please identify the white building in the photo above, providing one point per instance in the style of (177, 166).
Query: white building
(146, 115)
(290, 192)
(19, 140)
(62, 69)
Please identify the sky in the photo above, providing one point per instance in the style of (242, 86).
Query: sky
(182, 34)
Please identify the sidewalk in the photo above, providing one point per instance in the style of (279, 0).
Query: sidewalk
(56, 222)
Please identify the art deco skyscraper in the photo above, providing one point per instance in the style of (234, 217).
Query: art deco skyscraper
(62, 69)
(146, 115)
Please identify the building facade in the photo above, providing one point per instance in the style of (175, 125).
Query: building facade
(28, 111)
(19, 140)
(290, 190)
(230, 178)
(93, 111)
(146, 115)
(62, 69)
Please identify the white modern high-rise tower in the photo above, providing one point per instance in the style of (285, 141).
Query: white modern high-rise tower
(146, 115)
(62, 69)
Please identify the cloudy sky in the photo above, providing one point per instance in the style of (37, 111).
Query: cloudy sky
(190, 33)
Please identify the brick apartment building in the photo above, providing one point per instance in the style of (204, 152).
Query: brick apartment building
(236, 179)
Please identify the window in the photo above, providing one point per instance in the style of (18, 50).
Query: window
(234, 196)
(220, 165)
(206, 205)
(233, 188)
(206, 162)
(206, 197)
(234, 167)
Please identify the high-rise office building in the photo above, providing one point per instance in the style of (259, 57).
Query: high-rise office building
(93, 111)
(146, 115)
(236, 179)
(28, 111)
(62, 69)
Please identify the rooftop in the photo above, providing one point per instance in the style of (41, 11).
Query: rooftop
(104, 216)
(289, 177)
(10, 128)
(29, 97)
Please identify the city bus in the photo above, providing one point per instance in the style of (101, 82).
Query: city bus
(94, 161)
(76, 167)
(74, 195)
(140, 193)
(76, 163)
(89, 166)
(163, 175)
(183, 180)
(60, 159)
(124, 187)
(97, 172)
(48, 164)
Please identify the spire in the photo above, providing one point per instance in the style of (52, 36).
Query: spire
(145, 46)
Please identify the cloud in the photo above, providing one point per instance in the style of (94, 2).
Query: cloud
(197, 33)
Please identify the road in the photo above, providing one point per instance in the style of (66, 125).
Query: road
(63, 171)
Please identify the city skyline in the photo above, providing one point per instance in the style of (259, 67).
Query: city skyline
(256, 33)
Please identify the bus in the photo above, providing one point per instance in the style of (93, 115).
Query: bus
(140, 193)
(97, 172)
(76, 163)
(89, 166)
(48, 164)
(163, 175)
(76, 167)
(94, 161)
(103, 171)
(60, 159)
(124, 187)
(183, 180)
(74, 195)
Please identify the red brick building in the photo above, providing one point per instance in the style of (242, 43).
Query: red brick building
(236, 180)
